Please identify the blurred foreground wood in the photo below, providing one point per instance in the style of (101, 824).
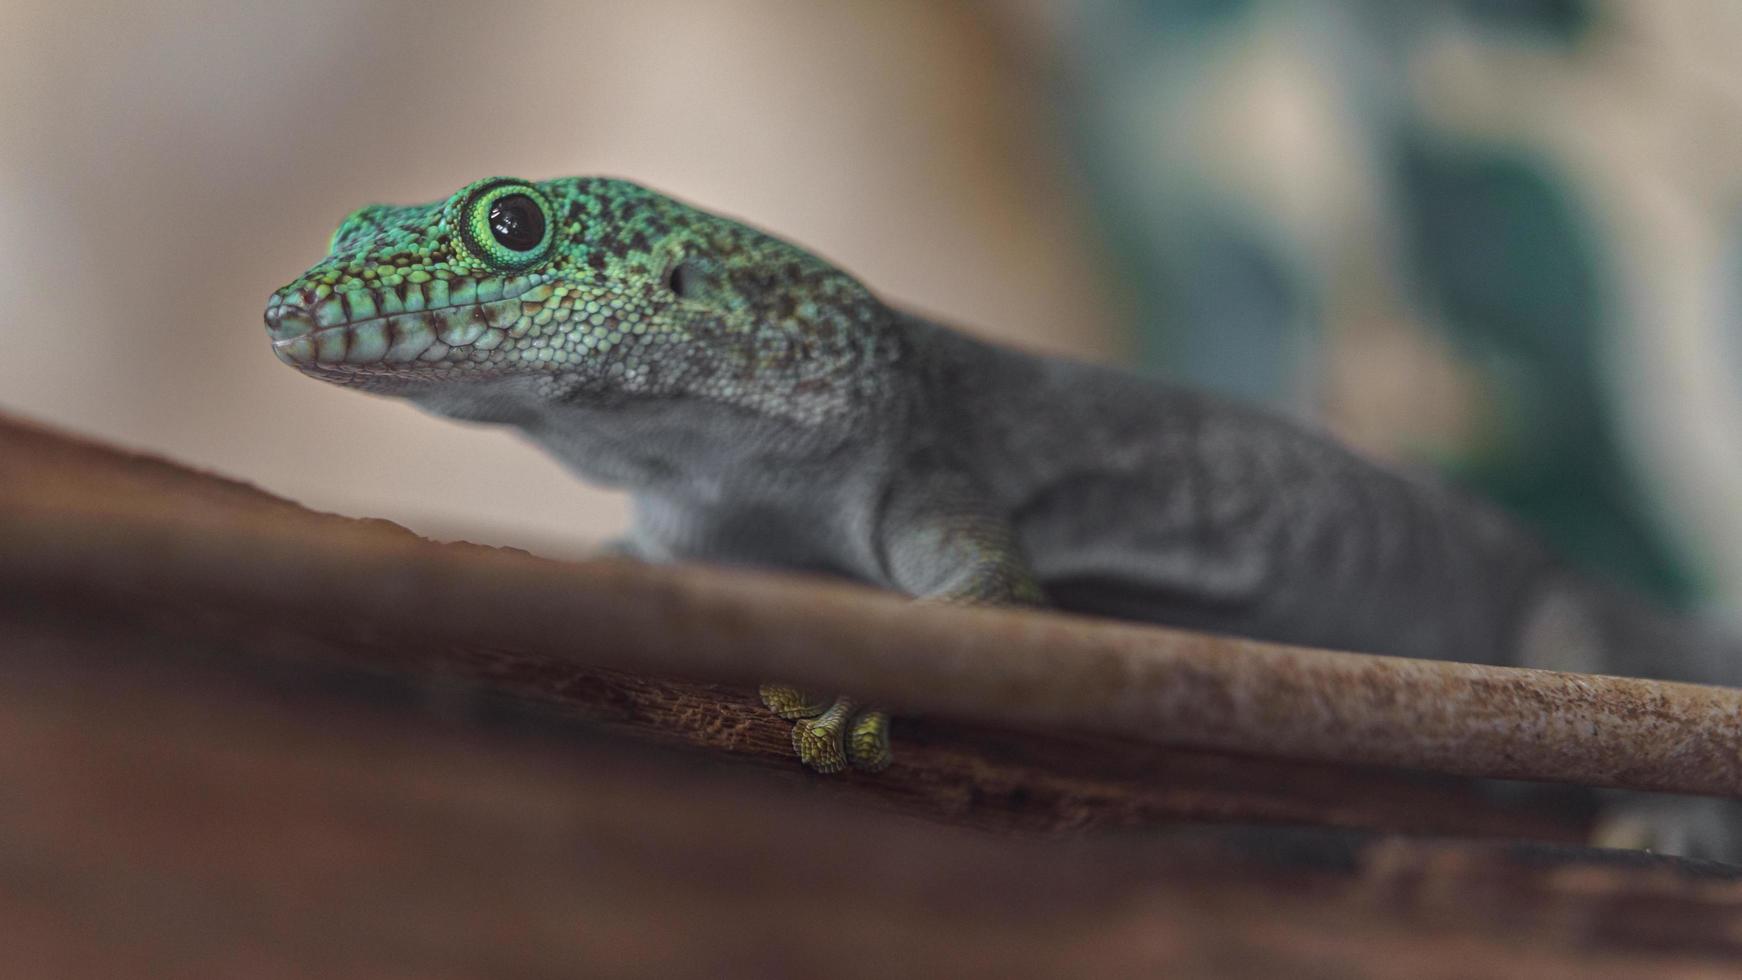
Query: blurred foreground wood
(224, 751)
(157, 820)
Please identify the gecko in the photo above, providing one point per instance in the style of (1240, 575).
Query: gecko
(764, 407)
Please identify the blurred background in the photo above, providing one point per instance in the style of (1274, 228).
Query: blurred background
(1500, 238)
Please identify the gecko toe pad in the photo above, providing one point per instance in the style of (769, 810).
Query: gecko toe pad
(819, 745)
(868, 741)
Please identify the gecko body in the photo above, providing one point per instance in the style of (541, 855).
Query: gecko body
(764, 407)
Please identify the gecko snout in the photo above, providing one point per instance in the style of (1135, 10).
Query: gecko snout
(286, 317)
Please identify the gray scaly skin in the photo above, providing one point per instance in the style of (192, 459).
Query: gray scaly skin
(763, 407)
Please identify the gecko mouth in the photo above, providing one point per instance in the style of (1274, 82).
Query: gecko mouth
(436, 321)
(400, 339)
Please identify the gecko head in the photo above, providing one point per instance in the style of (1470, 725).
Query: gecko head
(512, 295)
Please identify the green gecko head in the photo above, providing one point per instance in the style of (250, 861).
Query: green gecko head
(581, 291)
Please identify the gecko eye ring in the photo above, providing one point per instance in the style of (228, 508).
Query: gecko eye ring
(507, 223)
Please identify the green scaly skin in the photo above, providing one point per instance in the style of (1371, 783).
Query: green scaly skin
(763, 407)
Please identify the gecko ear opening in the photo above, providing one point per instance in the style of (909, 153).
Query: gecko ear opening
(699, 279)
(682, 280)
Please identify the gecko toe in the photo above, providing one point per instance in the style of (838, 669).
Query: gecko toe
(791, 703)
(868, 741)
(819, 745)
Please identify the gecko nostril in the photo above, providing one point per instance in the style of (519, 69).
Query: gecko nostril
(286, 320)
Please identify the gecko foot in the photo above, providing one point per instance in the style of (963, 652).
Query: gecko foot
(828, 737)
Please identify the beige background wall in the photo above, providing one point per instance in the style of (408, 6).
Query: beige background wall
(163, 167)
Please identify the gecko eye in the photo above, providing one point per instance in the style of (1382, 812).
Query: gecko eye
(517, 222)
(505, 222)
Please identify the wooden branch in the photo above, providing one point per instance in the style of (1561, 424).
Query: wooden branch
(240, 739)
(164, 813)
(962, 773)
(129, 531)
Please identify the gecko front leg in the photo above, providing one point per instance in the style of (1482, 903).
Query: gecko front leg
(949, 554)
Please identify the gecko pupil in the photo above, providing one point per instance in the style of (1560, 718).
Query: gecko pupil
(517, 222)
